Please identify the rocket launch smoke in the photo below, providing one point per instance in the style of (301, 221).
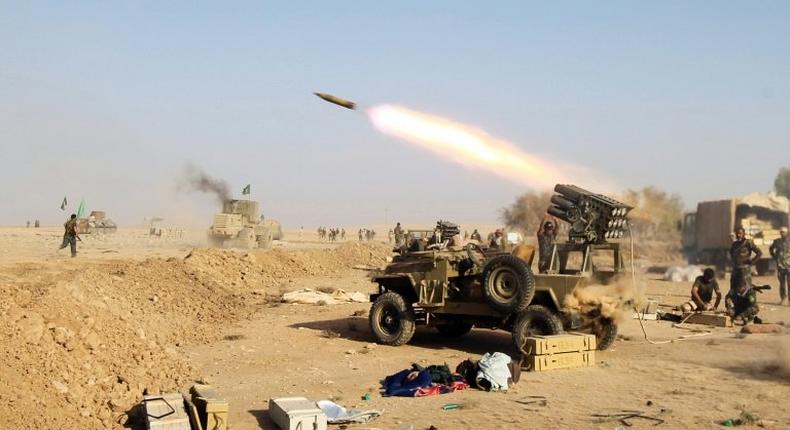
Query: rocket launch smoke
(476, 149)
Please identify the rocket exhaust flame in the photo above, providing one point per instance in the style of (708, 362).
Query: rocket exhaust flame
(474, 148)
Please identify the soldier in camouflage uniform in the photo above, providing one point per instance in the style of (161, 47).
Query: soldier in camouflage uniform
(546, 237)
(741, 252)
(742, 303)
(780, 251)
(70, 235)
(399, 235)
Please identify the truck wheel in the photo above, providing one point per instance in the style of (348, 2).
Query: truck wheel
(392, 319)
(536, 320)
(605, 331)
(508, 284)
(454, 327)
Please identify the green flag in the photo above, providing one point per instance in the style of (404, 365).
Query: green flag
(81, 209)
(64, 204)
(246, 190)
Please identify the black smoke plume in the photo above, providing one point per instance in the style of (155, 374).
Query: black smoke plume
(195, 179)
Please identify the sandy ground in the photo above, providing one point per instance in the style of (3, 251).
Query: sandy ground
(130, 283)
(695, 382)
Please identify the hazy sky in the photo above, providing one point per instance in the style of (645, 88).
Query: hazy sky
(109, 100)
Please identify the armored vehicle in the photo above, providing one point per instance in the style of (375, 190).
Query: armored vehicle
(239, 226)
(707, 233)
(96, 222)
(454, 288)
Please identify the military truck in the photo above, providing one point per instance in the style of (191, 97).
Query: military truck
(96, 222)
(240, 226)
(708, 233)
(454, 288)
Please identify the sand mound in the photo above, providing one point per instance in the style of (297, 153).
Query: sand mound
(83, 342)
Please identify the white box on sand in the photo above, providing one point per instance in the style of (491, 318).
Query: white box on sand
(296, 413)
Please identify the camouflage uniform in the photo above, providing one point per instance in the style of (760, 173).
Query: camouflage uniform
(741, 257)
(742, 303)
(780, 251)
(70, 236)
(545, 249)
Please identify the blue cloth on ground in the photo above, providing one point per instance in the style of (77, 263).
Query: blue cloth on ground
(397, 385)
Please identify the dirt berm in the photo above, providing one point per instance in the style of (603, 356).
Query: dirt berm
(83, 339)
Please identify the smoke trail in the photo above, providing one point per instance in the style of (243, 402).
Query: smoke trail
(195, 179)
(476, 149)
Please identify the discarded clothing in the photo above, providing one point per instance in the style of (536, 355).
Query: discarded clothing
(336, 414)
(418, 383)
(311, 297)
(468, 370)
(441, 389)
(494, 372)
(399, 384)
(440, 374)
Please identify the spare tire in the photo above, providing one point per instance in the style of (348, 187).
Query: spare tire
(536, 320)
(508, 284)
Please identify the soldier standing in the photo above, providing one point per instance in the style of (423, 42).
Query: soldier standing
(497, 240)
(70, 236)
(546, 237)
(398, 234)
(780, 251)
(741, 252)
(476, 236)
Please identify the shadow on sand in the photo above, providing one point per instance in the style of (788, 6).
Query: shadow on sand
(478, 341)
(262, 416)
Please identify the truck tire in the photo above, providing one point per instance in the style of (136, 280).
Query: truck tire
(536, 320)
(605, 334)
(392, 319)
(508, 284)
(454, 327)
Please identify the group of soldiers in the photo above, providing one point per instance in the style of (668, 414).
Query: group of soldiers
(741, 300)
(366, 234)
(332, 234)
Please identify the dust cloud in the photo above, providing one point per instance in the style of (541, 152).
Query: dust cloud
(194, 178)
(615, 301)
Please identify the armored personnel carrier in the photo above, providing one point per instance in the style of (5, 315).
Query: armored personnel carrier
(239, 226)
(454, 288)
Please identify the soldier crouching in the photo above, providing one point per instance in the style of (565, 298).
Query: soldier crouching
(741, 301)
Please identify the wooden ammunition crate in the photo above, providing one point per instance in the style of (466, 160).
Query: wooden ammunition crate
(708, 318)
(212, 408)
(565, 360)
(561, 343)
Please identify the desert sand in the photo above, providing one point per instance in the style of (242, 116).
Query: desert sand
(85, 337)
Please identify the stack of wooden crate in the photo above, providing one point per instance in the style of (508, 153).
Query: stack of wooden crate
(762, 232)
(562, 351)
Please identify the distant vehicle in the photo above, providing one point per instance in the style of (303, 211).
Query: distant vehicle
(96, 222)
(708, 233)
(239, 226)
(454, 288)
